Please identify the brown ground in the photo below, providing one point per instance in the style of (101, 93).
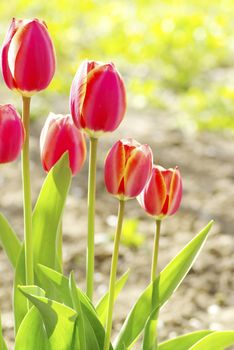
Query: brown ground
(206, 297)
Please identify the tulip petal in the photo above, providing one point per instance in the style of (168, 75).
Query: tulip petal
(137, 170)
(154, 194)
(114, 168)
(175, 192)
(60, 135)
(31, 57)
(11, 133)
(77, 94)
(105, 100)
(9, 80)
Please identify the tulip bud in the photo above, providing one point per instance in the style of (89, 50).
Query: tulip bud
(11, 133)
(127, 168)
(97, 98)
(28, 57)
(162, 193)
(59, 135)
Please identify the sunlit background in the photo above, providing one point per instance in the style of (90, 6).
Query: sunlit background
(175, 56)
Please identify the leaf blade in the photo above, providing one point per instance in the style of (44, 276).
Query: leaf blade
(218, 340)
(9, 241)
(184, 342)
(167, 282)
(59, 320)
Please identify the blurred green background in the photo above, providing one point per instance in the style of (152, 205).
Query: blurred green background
(175, 56)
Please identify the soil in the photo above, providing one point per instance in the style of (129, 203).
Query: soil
(206, 297)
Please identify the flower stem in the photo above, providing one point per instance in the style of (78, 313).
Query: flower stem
(91, 216)
(114, 265)
(154, 266)
(27, 194)
(155, 251)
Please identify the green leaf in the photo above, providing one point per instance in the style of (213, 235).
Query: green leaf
(47, 214)
(32, 333)
(59, 288)
(94, 330)
(77, 306)
(59, 320)
(102, 305)
(19, 302)
(9, 241)
(150, 331)
(46, 223)
(167, 282)
(183, 342)
(215, 341)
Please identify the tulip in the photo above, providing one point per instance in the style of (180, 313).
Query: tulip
(11, 133)
(163, 192)
(98, 105)
(97, 98)
(28, 56)
(59, 135)
(160, 197)
(127, 168)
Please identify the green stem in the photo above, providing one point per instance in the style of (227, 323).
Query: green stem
(155, 251)
(91, 216)
(27, 194)
(114, 265)
(154, 266)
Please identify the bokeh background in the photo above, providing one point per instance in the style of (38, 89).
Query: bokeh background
(177, 59)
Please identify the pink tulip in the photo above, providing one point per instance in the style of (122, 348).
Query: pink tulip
(59, 135)
(97, 98)
(162, 193)
(28, 57)
(11, 133)
(127, 168)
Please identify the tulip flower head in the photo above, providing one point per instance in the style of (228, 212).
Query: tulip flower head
(127, 168)
(28, 57)
(59, 135)
(11, 133)
(97, 98)
(162, 193)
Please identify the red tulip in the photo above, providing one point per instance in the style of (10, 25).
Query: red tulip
(97, 98)
(28, 57)
(162, 193)
(127, 168)
(11, 133)
(59, 135)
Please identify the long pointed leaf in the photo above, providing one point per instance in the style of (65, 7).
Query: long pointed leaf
(184, 342)
(77, 306)
(47, 214)
(60, 289)
(215, 341)
(165, 285)
(32, 333)
(19, 302)
(9, 241)
(46, 222)
(59, 320)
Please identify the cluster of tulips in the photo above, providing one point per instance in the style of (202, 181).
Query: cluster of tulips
(51, 312)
